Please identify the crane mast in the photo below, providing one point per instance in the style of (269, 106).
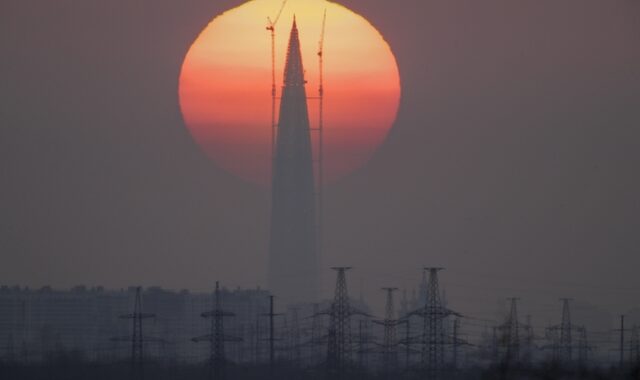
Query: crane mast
(271, 27)
(320, 190)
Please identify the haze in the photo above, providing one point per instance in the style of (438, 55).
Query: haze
(513, 162)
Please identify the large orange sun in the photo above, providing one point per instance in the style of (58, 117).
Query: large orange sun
(225, 85)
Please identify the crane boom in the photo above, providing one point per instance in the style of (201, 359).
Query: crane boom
(322, 29)
(284, 2)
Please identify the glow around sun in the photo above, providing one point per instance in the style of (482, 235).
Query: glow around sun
(225, 85)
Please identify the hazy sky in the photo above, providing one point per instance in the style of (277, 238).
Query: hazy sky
(513, 162)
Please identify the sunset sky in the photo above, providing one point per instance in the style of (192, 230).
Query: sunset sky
(512, 161)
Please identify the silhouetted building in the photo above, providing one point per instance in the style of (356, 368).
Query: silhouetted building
(37, 323)
(293, 266)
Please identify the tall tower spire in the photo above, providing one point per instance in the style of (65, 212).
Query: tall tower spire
(293, 271)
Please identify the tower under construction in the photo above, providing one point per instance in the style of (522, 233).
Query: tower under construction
(293, 267)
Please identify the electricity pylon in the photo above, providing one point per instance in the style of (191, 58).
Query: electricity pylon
(583, 347)
(515, 338)
(137, 338)
(272, 334)
(294, 338)
(339, 347)
(456, 344)
(512, 338)
(566, 344)
(364, 339)
(216, 337)
(316, 333)
(562, 341)
(433, 330)
(433, 312)
(634, 346)
(389, 343)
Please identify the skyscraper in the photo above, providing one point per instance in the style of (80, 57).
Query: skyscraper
(293, 267)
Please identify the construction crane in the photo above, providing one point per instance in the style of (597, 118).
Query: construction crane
(320, 196)
(271, 27)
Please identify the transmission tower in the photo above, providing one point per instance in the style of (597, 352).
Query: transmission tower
(294, 337)
(422, 289)
(137, 338)
(495, 344)
(528, 342)
(433, 328)
(634, 346)
(389, 344)
(316, 333)
(406, 341)
(456, 343)
(285, 338)
(255, 337)
(364, 339)
(562, 337)
(621, 349)
(272, 336)
(404, 303)
(240, 348)
(566, 344)
(339, 347)
(508, 339)
(583, 347)
(512, 334)
(216, 337)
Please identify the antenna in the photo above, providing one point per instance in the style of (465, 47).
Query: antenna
(271, 27)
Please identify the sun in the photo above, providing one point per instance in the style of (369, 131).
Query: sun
(225, 85)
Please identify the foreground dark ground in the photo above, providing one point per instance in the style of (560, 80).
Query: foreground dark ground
(76, 368)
